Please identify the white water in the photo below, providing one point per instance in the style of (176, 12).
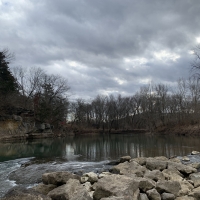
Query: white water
(9, 166)
(5, 169)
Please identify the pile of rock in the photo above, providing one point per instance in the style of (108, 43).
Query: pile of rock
(141, 178)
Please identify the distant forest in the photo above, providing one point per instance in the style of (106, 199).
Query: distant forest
(44, 98)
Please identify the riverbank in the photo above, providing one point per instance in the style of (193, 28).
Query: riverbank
(23, 133)
(185, 130)
(132, 179)
(14, 128)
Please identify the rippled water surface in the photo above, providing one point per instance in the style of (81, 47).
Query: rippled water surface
(89, 152)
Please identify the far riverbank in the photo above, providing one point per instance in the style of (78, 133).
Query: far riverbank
(176, 130)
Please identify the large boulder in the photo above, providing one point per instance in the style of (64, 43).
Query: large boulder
(124, 159)
(152, 164)
(87, 186)
(195, 165)
(58, 178)
(153, 194)
(195, 193)
(72, 190)
(186, 188)
(90, 177)
(195, 177)
(135, 197)
(167, 196)
(115, 185)
(172, 187)
(44, 189)
(40, 126)
(172, 174)
(19, 193)
(140, 160)
(129, 168)
(154, 175)
(175, 159)
(162, 158)
(185, 169)
(146, 184)
(143, 196)
(104, 174)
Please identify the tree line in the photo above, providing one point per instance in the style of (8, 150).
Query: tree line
(151, 107)
(45, 97)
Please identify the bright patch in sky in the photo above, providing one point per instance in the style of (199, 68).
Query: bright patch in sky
(108, 92)
(76, 64)
(198, 39)
(73, 63)
(145, 81)
(165, 56)
(138, 61)
(191, 52)
(119, 81)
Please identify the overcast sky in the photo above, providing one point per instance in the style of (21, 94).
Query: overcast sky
(103, 46)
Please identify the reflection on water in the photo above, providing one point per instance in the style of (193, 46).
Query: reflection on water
(103, 147)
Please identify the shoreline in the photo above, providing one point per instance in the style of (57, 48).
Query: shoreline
(137, 178)
(42, 135)
(13, 128)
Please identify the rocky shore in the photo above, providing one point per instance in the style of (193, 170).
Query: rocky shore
(14, 128)
(142, 178)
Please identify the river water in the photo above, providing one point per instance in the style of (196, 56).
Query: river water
(85, 153)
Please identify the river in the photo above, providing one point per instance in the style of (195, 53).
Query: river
(85, 153)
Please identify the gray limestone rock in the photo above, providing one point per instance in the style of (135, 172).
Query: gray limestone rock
(185, 169)
(143, 196)
(115, 185)
(172, 174)
(168, 186)
(146, 184)
(129, 168)
(185, 158)
(195, 177)
(195, 152)
(154, 175)
(140, 160)
(152, 164)
(91, 177)
(72, 190)
(153, 194)
(44, 189)
(58, 178)
(19, 193)
(167, 196)
(195, 193)
(124, 159)
(186, 188)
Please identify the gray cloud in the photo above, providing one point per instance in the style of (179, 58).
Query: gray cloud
(103, 46)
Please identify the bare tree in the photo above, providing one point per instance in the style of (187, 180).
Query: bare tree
(196, 63)
(45, 94)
